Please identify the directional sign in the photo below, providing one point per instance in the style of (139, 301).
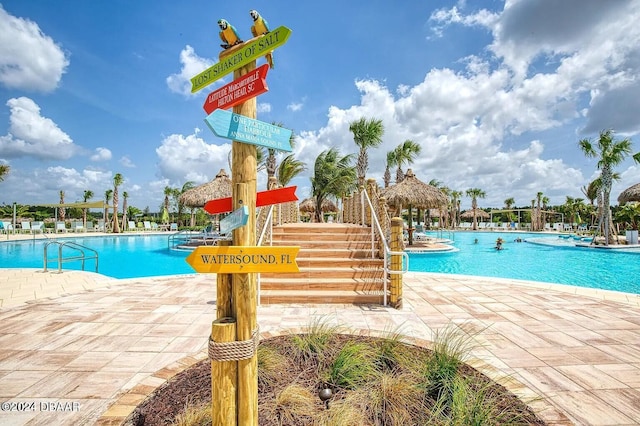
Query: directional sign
(234, 220)
(239, 128)
(240, 56)
(239, 90)
(263, 198)
(237, 259)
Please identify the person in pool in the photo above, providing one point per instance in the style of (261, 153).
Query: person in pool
(499, 244)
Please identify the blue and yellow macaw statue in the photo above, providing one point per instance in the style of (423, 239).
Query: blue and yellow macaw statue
(261, 27)
(228, 34)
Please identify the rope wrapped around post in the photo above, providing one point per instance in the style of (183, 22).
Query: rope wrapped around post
(234, 351)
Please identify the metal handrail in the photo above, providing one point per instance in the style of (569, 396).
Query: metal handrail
(387, 253)
(74, 246)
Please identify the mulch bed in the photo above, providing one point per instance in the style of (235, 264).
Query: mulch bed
(193, 387)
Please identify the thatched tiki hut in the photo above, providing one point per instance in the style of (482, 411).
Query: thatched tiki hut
(219, 187)
(474, 214)
(412, 192)
(630, 194)
(308, 205)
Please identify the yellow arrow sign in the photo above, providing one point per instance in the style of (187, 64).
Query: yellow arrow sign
(237, 259)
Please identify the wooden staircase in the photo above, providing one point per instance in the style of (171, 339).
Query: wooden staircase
(335, 266)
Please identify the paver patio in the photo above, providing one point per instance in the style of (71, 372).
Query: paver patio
(80, 348)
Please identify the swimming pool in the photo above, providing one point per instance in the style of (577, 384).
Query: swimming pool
(563, 264)
(123, 256)
(129, 256)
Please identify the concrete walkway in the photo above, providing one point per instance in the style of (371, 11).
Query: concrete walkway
(80, 348)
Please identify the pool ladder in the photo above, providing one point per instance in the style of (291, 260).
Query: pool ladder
(79, 249)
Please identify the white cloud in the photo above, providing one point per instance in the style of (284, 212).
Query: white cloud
(29, 59)
(263, 107)
(183, 158)
(101, 154)
(31, 134)
(126, 162)
(192, 65)
(295, 106)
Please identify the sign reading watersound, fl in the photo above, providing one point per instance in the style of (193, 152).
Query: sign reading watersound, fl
(240, 56)
(238, 259)
(239, 128)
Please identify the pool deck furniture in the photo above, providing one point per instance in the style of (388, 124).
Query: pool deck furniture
(106, 344)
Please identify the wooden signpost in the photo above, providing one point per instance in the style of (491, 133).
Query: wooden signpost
(238, 91)
(239, 128)
(263, 198)
(233, 259)
(244, 54)
(235, 334)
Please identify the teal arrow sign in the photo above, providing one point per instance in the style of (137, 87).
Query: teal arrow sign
(239, 128)
(234, 220)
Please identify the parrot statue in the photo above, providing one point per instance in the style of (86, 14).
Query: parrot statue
(228, 34)
(261, 27)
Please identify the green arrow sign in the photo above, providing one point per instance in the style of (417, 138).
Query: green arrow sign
(242, 55)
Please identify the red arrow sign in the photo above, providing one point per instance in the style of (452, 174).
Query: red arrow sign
(263, 198)
(239, 90)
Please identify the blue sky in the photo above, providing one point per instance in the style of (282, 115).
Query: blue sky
(497, 93)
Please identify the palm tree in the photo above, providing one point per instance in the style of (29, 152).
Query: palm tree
(539, 225)
(508, 203)
(455, 207)
(117, 181)
(107, 198)
(333, 175)
(86, 196)
(391, 162)
(406, 152)
(125, 197)
(168, 192)
(4, 170)
(288, 169)
(610, 153)
(187, 186)
(545, 204)
(366, 134)
(475, 193)
(61, 210)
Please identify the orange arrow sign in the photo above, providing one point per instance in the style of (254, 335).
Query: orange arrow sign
(263, 198)
(238, 259)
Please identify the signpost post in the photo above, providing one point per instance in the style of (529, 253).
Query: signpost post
(236, 390)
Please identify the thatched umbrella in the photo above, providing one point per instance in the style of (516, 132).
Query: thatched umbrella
(308, 205)
(469, 214)
(630, 194)
(412, 192)
(220, 187)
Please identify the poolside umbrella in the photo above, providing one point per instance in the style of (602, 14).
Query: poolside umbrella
(412, 192)
(630, 194)
(220, 187)
(478, 213)
(308, 205)
(165, 216)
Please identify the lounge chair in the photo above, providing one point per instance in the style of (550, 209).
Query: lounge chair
(90, 226)
(61, 227)
(154, 226)
(77, 226)
(25, 227)
(37, 227)
(131, 226)
(173, 227)
(4, 227)
(147, 225)
(100, 225)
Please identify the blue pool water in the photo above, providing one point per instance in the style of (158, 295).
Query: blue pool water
(128, 256)
(584, 267)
